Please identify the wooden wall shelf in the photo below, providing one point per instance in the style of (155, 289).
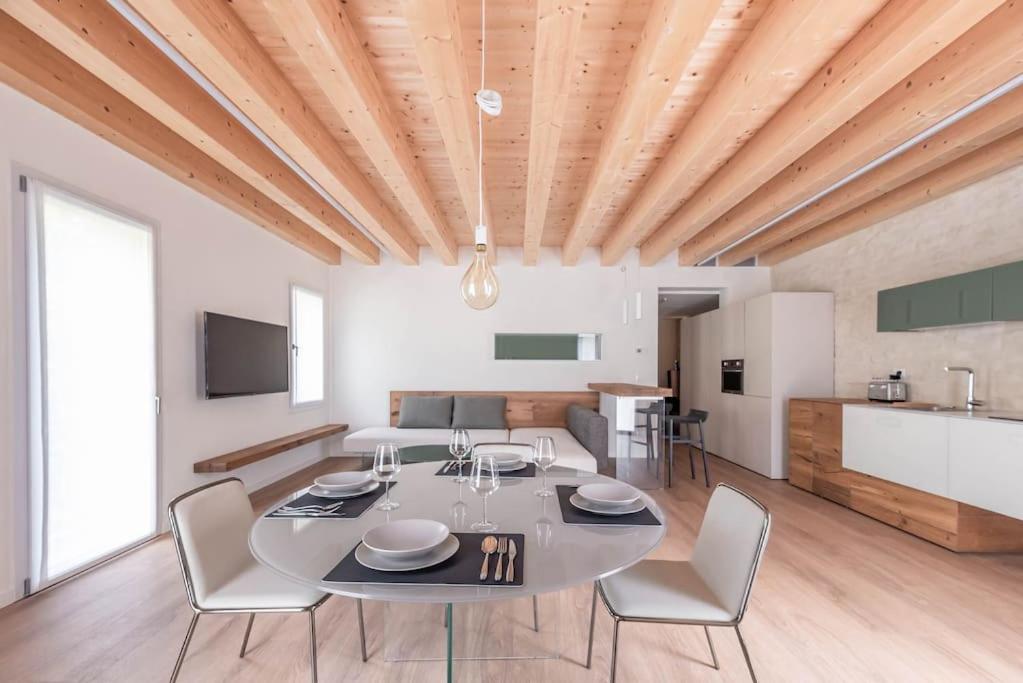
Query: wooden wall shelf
(247, 456)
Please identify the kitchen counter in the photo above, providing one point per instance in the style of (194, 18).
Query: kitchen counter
(1008, 416)
(629, 390)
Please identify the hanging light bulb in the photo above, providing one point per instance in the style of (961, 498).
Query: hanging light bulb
(479, 284)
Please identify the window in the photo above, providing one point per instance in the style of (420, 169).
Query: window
(307, 342)
(546, 346)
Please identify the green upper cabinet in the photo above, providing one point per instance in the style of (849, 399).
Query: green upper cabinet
(976, 297)
(1008, 292)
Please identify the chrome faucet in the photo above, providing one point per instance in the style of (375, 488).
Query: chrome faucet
(971, 399)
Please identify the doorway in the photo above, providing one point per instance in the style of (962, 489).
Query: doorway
(674, 369)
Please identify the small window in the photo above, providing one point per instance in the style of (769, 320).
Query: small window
(307, 347)
(546, 346)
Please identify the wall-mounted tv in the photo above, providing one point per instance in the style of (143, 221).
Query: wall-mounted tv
(244, 357)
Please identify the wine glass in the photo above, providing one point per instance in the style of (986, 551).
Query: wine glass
(459, 447)
(544, 455)
(386, 465)
(484, 480)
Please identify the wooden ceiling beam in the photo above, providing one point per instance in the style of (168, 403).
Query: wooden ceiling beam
(34, 67)
(987, 161)
(1001, 117)
(557, 35)
(673, 31)
(322, 35)
(216, 42)
(437, 32)
(982, 59)
(107, 45)
(900, 38)
(777, 52)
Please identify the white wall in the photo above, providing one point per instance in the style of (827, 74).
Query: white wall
(976, 227)
(397, 327)
(209, 259)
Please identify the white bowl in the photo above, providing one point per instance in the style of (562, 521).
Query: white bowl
(405, 537)
(344, 481)
(502, 460)
(609, 494)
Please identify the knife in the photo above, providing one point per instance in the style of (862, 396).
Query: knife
(512, 552)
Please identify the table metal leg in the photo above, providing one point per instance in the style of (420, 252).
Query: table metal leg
(448, 613)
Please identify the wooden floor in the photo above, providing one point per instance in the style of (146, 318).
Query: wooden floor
(840, 598)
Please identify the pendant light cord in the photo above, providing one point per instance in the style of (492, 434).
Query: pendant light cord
(479, 109)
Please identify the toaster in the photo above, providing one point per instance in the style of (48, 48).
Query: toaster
(888, 390)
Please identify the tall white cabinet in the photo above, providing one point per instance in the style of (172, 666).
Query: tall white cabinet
(786, 340)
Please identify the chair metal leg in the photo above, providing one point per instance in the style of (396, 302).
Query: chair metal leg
(312, 644)
(689, 448)
(745, 653)
(536, 615)
(703, 450)
(593, 616)
(248, 630)
(362, 628)
(614, 649)
(184, 647)
(710, 642)
(671, 456)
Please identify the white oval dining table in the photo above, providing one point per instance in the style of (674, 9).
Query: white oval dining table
(556, 555)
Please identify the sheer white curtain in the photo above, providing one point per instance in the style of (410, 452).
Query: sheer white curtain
(92, 383)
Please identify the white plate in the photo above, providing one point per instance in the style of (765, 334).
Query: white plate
(608, 494)
(405, 538)
(503, 460)
(344, 481)
(368, 558)
(324, 493)
(610, 510)
(512, 468)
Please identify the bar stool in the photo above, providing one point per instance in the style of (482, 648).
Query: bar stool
(697, 417)
(655, 409)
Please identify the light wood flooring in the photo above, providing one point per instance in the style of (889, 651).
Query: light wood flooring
(840, 597)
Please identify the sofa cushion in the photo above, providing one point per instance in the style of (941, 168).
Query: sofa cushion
(366, 440)
(480, 412)
(425, 412)
(590, 429)
(570, 452)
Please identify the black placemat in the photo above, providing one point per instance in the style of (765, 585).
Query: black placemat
(570, 514)
(353, 507)
(461, 569)
(527, 472)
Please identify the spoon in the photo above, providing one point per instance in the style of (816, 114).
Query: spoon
(488, 547)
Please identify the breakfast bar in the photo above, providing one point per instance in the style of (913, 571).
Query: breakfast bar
(618, 402)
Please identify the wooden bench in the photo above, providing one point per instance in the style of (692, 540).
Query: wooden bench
(247, 456)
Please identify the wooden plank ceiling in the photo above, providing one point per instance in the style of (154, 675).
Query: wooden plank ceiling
(664, 125)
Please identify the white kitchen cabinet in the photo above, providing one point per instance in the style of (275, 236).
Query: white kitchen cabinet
(757, 331)
(897, 445)
(985, 465)
(733, 331)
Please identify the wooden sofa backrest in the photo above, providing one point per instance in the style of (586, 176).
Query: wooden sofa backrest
(525, 408)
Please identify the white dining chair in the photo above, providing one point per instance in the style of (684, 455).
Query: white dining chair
(211, 526)
(526, 451)
(711, 589)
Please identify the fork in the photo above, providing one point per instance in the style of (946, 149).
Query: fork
(502, 548)
(311, 508)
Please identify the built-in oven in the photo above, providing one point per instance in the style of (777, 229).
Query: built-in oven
(731, 376)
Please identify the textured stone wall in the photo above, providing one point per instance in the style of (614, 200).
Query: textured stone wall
(979, 226)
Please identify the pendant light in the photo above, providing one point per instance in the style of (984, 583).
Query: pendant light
(479, 284)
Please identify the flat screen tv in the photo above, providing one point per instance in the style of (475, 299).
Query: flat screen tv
(244, 357)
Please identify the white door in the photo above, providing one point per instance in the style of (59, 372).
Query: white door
(91, 342)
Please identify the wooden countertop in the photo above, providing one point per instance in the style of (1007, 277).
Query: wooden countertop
(621, 389)
(830, 399)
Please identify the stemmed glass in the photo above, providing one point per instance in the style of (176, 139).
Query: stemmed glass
(484, 480)
(386, 465)
(544, 455)
(459, 447)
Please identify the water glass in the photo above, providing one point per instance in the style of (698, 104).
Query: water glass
(484, 480)
(459, 446)
(386, 465)
(544, 455)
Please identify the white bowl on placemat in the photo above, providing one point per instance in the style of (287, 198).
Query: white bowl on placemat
(405, 538)
(577, 501)
(383, 563)
(608, 494)
(349, 493)
(504, 461)
(344, 481)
